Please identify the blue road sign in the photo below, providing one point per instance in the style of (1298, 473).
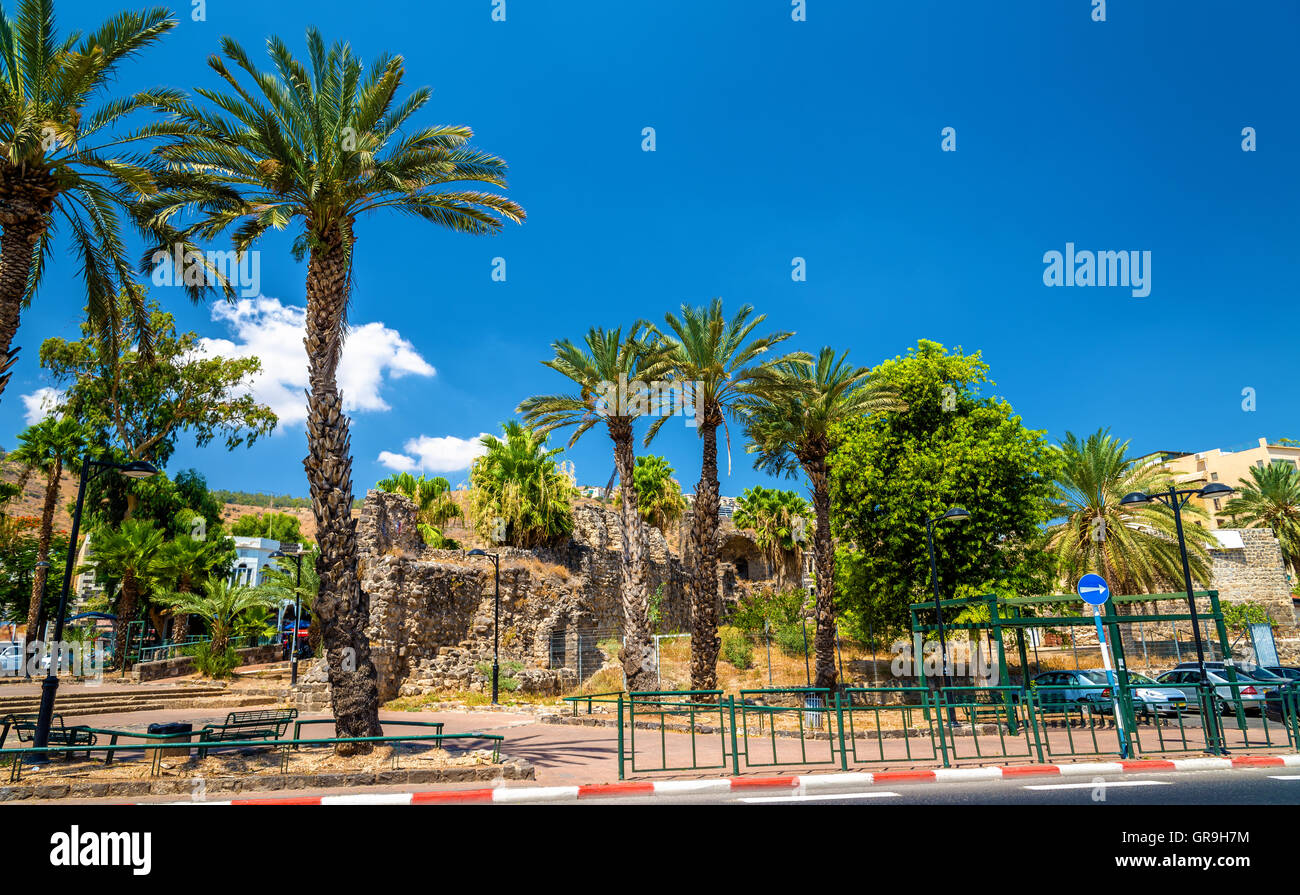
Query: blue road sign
(1093, 589)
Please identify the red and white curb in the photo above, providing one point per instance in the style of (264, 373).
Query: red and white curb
(802, 783)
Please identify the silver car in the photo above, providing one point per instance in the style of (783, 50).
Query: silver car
(1149, 697)
(11, 659)
(1186, 679)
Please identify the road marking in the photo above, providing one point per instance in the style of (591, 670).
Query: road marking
(1101, 784)
(821, 798)
(1284, 777)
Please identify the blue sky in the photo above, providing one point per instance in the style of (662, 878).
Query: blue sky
(778, 139)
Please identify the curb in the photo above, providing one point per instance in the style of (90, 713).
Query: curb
(802, 783)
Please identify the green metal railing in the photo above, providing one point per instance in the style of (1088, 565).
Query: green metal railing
(701, 730)
(156, 743)
(610, 698)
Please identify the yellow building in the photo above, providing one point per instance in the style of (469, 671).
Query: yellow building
(1226, 466)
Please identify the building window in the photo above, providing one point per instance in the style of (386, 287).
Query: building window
(1214, 476)
(1216, 503)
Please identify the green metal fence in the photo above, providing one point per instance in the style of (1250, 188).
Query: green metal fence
(805, 726)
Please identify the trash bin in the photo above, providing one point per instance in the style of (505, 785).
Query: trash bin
(175, 730)
(814, 712)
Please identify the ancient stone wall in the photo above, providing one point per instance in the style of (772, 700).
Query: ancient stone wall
(1256, 573)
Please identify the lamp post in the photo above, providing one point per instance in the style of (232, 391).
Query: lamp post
(1176, 500)
(496, 617)
(137, 469)
(296, 556)
(953, 514)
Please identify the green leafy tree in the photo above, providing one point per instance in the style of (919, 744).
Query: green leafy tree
(1270, 499)
(144, 402)
(519, 495)
(132, 556)
(49, 446)
(320, 146)
(890, 472)
(434, 504)
(220, 604)
(19, 553)
(777, 519)
(1135, 550)
(789, 414)
(658, 495)
(607, 369)
(282, 527)
(185, 563)
(65, 162)
(721, 357)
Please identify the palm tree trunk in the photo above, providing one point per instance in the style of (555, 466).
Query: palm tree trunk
(26, 198)
(341, 606)
(638, 655)
(824, 554)
(126, 607)
(704, 541)
(41, 574)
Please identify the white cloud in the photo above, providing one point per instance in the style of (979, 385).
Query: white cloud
(435, 454)
(40, 404)
(273, 332)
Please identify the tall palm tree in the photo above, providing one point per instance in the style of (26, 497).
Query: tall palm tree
(61, 160)
(1135, 550)
(776, 517)
(50, 446)
(606, 367)
(658, 494)
(1270, 499)
(720, 357)
(133, 555)
(789, 413)
(321, 147)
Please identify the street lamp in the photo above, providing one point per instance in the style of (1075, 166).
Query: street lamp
(296, 556)
(953, 514)
(1177, 500)
(496, 616)
(137, 469)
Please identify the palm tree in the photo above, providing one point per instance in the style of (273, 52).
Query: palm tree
(60, 162)
(433, 503)
(1135, 550)
(658, 494)
(133, 555)
(1270, 499)
(48, 446)
(605, 368)
(777, 518)
(220, 604)
(789, 413)
(323, 147)
(518, 493)
(187, 562)
(720, 359)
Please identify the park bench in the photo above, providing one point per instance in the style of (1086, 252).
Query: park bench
(263, 724)
(60, 734)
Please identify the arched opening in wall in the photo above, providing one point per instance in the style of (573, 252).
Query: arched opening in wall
(742, 568)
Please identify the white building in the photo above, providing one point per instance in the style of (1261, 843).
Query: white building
(254, 555)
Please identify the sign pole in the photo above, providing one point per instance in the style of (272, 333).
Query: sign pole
(1094, 591)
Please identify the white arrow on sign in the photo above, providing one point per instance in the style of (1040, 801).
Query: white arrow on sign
(1093, 590)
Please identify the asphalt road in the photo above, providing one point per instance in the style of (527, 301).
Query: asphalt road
(1240, 786)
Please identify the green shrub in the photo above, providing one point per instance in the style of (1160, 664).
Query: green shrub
(506, 680)
(212, 665)
(789, 638)
(736, 648)
(778, 608)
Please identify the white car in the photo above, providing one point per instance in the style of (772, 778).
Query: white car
(11, 659)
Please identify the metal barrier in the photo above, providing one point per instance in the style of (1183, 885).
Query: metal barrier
(879, 725)
(16, 758)
(610, 697)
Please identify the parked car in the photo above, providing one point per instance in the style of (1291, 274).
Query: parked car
(1187, 679)
(1254, 672)
(1286, 671)
(1149, 697)
(1058, 689)
(11, 658)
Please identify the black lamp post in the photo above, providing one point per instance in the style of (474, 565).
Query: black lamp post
(496, 617)
(1177, 499)
(296, 556)
(954, 514)
(137, 469)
